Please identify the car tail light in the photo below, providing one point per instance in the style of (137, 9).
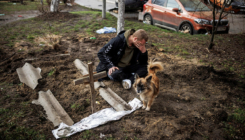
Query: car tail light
(144, 6)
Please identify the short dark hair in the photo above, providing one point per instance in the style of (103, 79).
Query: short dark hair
(141, 34)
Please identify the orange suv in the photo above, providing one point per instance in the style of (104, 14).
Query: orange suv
(190, 16)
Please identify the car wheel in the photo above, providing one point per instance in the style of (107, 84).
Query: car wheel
(148, 19)
(186, 28)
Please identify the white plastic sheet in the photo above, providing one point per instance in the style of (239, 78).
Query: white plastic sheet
(94, 120)
(106, 30)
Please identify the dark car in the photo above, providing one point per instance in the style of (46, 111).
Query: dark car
(233, 6)
(189, 16)
(133, 4)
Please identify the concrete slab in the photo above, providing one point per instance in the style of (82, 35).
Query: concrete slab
(29, 75)
(114, 100)
(54, 110)
(111, 97)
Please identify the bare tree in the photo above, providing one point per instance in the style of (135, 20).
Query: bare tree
(104, 9)
(216, 24)
(213, 31)
(120, 18)
(54, 5)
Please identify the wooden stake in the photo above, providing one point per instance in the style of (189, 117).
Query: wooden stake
(86, 79)
(91, 79)
(111, 97)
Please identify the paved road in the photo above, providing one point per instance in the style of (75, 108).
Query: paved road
(96, 4)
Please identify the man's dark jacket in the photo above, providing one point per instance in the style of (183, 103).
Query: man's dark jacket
(113, 51)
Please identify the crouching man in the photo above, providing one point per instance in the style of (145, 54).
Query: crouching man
(124, 56)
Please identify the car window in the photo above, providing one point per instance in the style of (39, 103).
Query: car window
(194, 5)
(159, 2)
(172, 4)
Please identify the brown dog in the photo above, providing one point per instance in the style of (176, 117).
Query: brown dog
(148, 87)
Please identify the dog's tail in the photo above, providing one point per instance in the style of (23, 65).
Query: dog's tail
(154, 67)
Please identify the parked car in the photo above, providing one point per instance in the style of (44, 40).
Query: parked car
(190, 16)
(233, 6)
(133, 4)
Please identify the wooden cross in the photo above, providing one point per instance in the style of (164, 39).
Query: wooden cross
(90, 79)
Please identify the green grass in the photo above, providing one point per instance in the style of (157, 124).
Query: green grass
(232, 69)
(11, 7)
(41, 50)
(88, 101)
(87, 135)
(25, 104)
(231, 128)
(51, 72)
(238, 116)
(203, 98)
(3, 110)
(110, 138)
(185, 52)
(75, 106)
(20, 133)
(242, 76)
(10, 122)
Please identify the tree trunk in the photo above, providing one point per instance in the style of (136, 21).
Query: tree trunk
(54, 5)
(221, 12)
(213, 29)
(120, 19)
(104, 9)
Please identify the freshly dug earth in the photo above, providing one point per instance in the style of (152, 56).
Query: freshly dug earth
(193, 102)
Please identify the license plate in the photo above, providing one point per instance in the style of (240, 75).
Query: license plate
(221, 29)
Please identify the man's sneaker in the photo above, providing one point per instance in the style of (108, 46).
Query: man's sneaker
(126, 83)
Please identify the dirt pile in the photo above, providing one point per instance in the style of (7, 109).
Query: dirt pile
(56, 16)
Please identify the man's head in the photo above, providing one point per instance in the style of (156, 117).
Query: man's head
(139, 38)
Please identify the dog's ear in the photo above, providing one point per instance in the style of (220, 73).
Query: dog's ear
(136, 76)
(148, 79)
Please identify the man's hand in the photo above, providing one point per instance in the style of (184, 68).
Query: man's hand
(112, 70)
(140, 46)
